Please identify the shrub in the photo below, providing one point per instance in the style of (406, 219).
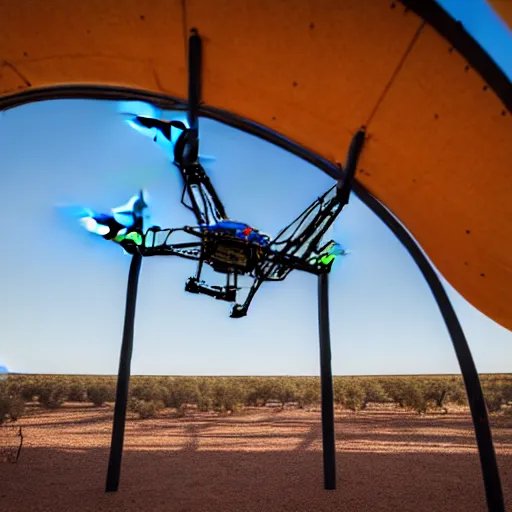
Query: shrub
(77, 392)
(286, 392)
(354, 396)
(507, 393)
(27, 387)
(308, 392)
(260, 391)
(373, 392)
(349, 393)
(148, 390)
(179, 391)
(395, 388)
(458, 393)
(227, 396)
(12, 405)
(145, 409)
(414, 396)
(338, 390)
(440, 391)
(52, 393)
(494, 398)
(100, 394)
(497, 393)
(204, 395)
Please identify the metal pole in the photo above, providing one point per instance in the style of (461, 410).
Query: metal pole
(123, 377)
(328, 438)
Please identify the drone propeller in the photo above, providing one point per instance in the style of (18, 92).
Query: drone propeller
(135, 208)
(132, 214)
(172, 136)
(185, 148)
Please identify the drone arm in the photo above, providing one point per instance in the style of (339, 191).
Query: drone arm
(308, 229)
(188, 251)
(240, 310)
(156, 242)
(277, 268)
(205, 202)
(281, 264)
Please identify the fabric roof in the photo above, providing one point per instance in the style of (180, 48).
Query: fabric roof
(437, 111)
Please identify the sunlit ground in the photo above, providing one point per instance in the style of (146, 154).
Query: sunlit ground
(260, 459)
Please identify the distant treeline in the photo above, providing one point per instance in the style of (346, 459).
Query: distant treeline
(148, 395)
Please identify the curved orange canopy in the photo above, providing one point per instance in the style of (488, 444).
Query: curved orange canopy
(504, 9)
(439, 146)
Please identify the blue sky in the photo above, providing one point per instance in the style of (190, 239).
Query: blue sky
(63, 291)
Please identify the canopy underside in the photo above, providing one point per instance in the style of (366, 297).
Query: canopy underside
(438, 151)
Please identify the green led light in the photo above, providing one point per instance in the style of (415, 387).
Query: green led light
(326, 259)
(135, 237)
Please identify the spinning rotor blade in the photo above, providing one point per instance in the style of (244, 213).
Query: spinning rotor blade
(144, 118)
(116, 224)
(203, 159)
(135, 207)
(165, 133)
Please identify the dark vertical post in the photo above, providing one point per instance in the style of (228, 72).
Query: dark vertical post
(328, 439)
(123, 377)
(195, 62)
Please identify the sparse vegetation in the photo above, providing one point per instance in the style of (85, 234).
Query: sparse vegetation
(149, 395)
(145, 409)
(99, 394)
(12, 403)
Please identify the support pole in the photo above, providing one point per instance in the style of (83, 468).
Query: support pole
(123, 377)
(195, 61)
(328, 438)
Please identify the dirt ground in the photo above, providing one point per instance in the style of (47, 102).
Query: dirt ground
(262, 460)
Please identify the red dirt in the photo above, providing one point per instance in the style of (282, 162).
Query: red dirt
(263, 460)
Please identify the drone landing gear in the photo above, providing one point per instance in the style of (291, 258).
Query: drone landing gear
(238, 311)
(226, 293)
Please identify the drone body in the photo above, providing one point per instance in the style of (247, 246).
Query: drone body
(234, 248)
(229, 247)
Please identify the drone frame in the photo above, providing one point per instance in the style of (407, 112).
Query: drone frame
(294, 248)
(278, 259)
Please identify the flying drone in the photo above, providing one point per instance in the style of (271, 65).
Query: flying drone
(229, 247)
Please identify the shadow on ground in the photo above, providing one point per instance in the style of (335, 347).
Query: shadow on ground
(185, 470)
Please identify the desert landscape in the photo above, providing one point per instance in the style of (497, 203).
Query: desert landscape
(262, 454)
